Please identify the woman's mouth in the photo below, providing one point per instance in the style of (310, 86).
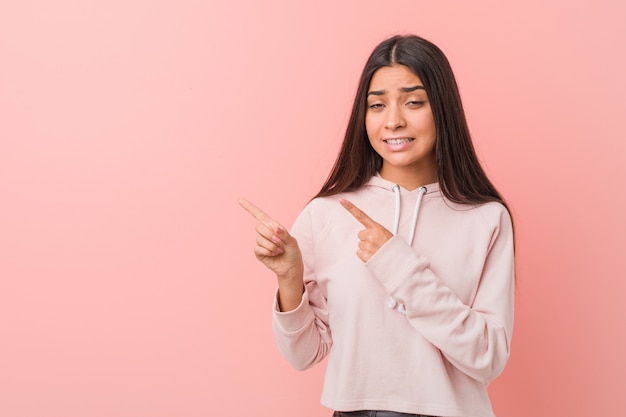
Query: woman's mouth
(398, 144)
(398, 141)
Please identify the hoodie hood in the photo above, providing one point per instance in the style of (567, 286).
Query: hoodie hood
(380, 182)
(425, 190)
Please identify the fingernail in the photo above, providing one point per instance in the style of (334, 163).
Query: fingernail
(275, 239)
(279, 230)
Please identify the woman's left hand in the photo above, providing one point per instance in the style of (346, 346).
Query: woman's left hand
(373, 237)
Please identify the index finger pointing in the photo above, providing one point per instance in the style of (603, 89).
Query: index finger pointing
(256, 212)
(358, 214)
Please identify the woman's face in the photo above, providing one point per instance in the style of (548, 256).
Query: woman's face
(400, 125)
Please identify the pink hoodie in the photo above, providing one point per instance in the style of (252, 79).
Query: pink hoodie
(420, 328)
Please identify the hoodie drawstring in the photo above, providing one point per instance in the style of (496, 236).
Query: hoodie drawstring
(391, 302)
(396, 220)
(416, 211)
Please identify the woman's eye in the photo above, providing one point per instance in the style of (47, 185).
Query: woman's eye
(415, 103)
(376, 106)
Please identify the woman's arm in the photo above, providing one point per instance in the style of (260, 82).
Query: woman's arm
(300, 317)
(474, 338)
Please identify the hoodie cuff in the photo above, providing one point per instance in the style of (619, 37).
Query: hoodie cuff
(295, 320)
(394, 263)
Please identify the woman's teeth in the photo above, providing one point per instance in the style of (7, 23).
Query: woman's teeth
(397, 141)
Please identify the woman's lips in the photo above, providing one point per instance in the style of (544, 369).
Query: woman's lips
(398, 144)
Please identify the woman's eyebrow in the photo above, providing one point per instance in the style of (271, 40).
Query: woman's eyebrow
(409, 89)
(402, 89)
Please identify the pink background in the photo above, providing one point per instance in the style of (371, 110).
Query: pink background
(129, 128)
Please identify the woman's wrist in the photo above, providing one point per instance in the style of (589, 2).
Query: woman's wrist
(290, 292)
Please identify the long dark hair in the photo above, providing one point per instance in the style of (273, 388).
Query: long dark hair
(461, 178)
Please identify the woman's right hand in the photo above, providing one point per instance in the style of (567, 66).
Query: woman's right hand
(279, 251)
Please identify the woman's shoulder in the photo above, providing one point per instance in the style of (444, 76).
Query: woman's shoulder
(320, 205)
(331, 202)
(494, 213)
(318, 217)
(320, 212)
(317, 209)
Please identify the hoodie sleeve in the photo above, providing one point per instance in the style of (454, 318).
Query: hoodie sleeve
(474, 338)
(303, 335)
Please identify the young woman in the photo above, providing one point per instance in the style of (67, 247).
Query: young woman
(401, 269)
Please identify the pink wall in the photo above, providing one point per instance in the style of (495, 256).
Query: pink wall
(129, 128)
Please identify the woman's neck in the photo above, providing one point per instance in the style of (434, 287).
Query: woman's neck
(409, 179)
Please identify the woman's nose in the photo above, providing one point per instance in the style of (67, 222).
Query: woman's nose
(394, 119)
